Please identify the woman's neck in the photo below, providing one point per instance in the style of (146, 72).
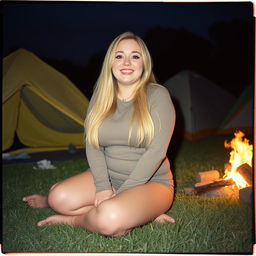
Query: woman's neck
(126, 93)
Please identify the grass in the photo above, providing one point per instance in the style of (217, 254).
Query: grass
(203, 225)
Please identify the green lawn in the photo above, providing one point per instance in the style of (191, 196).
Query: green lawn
(203, 225)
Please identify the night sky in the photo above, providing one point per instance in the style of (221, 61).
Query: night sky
(76, 30)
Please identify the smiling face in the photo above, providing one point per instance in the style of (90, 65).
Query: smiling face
(127, 67)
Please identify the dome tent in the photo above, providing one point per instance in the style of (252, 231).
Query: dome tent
(40, 104)
(240, 117)
(200, 104)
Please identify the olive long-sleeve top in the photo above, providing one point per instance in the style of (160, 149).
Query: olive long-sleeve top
(118, 164)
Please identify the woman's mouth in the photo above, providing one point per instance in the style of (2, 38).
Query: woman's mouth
(126, 71)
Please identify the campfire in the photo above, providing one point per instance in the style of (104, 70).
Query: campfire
(240, 155)
(237, 180)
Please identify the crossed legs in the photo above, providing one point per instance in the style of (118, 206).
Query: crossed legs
(73, 199)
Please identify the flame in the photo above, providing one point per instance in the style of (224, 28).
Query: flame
(241, 154)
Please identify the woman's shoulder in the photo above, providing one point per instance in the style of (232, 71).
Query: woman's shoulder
(157, 90)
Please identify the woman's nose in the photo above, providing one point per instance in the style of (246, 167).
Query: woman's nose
(127, 61)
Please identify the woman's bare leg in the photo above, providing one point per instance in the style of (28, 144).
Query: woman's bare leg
(118, 215)
(39, 201)
(72, 196)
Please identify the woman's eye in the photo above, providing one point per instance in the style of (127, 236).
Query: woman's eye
(119, 56)
(136, 57)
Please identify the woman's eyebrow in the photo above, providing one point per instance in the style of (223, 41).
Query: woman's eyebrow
(136, 52)
(131, 52)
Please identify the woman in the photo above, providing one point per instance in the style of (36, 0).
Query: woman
(129, 124)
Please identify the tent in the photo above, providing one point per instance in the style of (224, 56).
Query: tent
(200, 104)
(240, 116)
(42, 106)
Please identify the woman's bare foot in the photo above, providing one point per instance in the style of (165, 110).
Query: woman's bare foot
(163, 218)
(36, 201)
(57, 219)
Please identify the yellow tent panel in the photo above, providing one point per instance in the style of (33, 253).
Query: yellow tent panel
(34, 133)
(40, 104)
(10, 116)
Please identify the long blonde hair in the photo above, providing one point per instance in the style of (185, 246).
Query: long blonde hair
(105, 96)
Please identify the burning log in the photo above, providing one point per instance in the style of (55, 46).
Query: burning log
(213, 185)
(246, 171)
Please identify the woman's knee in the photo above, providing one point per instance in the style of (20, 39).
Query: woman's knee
(110, 219)
(53, 186)
(57, 198)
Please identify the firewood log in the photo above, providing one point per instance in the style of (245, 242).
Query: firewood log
(246, 171)
(213, 185)
(208, 176)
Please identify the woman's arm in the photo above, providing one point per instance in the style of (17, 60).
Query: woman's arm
(98, 167)
(163, 116)
(97, 163)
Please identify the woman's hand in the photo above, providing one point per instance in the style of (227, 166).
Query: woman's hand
(102, 196)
